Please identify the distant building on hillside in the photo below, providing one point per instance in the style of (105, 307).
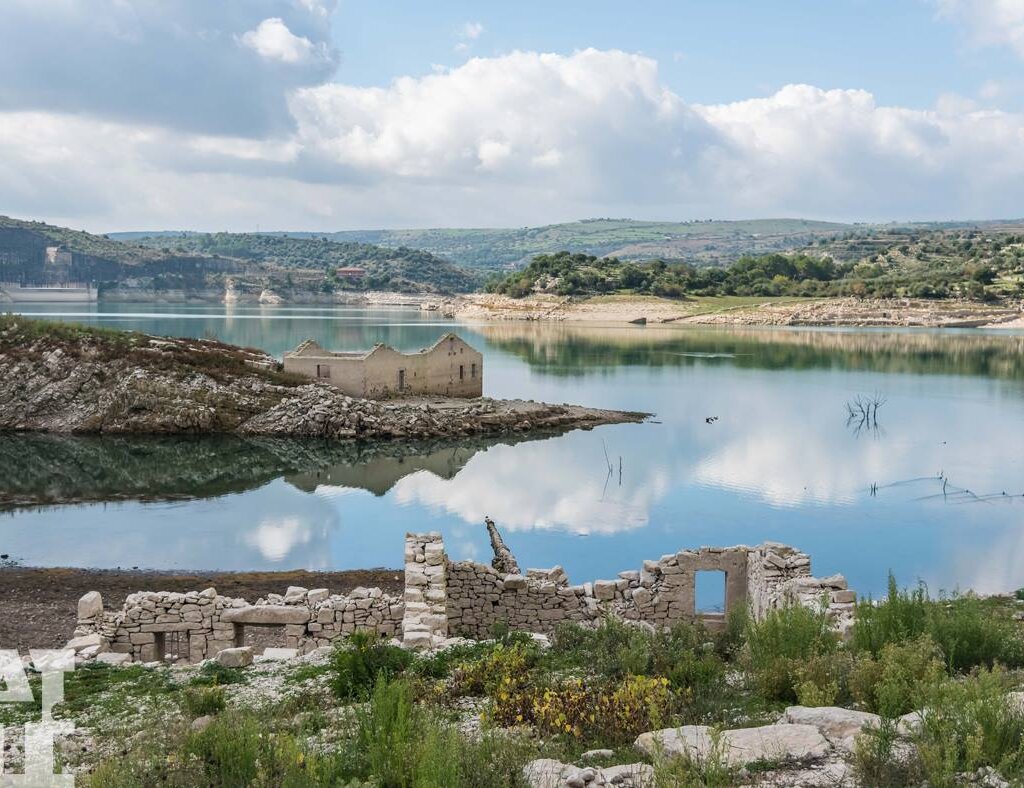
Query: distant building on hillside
(450, 367)
(350, 272)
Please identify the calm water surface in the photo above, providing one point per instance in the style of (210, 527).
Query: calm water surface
(781, 463)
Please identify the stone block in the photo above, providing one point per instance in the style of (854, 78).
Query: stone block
(238, 657)
(266, 614)
(90, 606)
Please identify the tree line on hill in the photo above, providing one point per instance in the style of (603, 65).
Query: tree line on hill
(942, 270)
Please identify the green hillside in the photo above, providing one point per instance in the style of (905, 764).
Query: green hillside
(200, 261)
(701, 242)
(401, 269)
(950, 263)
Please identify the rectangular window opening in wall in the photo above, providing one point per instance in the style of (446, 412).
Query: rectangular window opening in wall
(401, 380)
(462, 371)
(323, 370)
(472, 371)
(709, 592)
(172, 646)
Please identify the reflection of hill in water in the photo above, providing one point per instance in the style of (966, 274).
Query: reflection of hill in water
(39, 470)
(562, 349)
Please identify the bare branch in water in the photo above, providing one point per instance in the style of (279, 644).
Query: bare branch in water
(862, 413)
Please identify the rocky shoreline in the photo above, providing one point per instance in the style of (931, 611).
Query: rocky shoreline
(809, 312)
(68, 379)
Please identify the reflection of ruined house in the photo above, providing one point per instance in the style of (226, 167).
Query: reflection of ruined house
(445, 598)
(449, 367)
(382, 473)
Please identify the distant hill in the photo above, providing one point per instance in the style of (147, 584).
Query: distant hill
(205, 262)
(402, 269)
(699, 242)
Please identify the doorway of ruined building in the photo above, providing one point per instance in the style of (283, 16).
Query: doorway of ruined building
(171, 646)
(260, 636)
(709, 596)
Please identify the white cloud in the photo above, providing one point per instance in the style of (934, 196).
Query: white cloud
(273, 40)
(989, 22)
(471, 30)
(525, 138)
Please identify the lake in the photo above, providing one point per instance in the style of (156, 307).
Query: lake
(933, 491)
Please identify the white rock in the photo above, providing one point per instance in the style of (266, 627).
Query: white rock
(238, 657)
(840, 726)
(279, 654)
(110, 658)
(295, 594)
(317, 595)
(90, 606)
(740, 746)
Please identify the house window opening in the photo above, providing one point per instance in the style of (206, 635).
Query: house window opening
(709, 592)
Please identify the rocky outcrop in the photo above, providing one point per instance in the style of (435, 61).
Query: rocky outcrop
(739, 747)
(58, 378)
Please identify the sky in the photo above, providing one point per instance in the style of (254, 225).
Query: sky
(333, 114)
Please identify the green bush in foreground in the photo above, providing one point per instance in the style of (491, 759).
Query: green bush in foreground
(967, 724)
(357, 664)
(781, 645)
(899, 680)
(967, 632)
(200, 701)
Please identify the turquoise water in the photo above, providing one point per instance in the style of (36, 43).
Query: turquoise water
(781, 462)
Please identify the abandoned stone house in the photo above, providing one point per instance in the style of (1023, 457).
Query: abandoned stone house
(450, 367)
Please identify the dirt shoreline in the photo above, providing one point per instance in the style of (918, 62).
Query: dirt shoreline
(733, 311)
(39, 605)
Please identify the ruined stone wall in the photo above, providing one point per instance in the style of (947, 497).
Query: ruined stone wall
(480, 597)
(444, 599)
(197, 624)
(425, 623)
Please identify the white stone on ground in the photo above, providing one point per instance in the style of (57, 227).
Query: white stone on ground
(740, 746)
(840, 726)
(110, 658)
(279, 654)
(239, 657)
(549, 773)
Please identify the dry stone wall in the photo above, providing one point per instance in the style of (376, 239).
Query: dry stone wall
(444, 599)
(198, 624)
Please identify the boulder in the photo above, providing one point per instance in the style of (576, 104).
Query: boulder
(549, 773)
(740, 746)
(239, 657)
(279, 654)
(90, 606)
(839, 726)
(93, 644)
(110, 658)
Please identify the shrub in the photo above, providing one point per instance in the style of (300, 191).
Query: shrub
(899, 679)
(823, 680)
(609, 712)
(213, 674)
(358, 664)
(968, 632)
(200, 701)
(400, 744)
(970, 724)
(781, 643)
(237, 751)
(503, 667)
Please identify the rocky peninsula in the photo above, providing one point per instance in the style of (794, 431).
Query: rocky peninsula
(71, 379)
